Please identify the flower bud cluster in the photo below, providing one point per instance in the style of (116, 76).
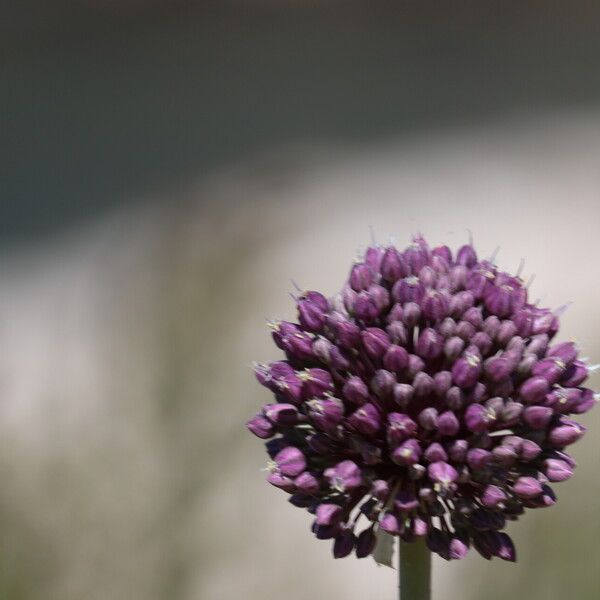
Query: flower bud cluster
(428, 400)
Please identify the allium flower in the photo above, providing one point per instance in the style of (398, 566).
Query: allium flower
(427, 400)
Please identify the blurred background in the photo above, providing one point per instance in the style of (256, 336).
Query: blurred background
(167, 168)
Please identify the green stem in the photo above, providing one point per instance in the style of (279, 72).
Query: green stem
(414, 571)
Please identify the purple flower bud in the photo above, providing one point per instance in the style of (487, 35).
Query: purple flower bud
(375, 341)
(261, 427)
(465, 331)
(322, 348)
(527, 487)
(366, 420)
(434, 305)
(307, 483)
(395, 358)
(373, 257)
(347, 334)
(344, 543)
(473, 316)
(409, 289)
(448, 424)
(529, 451)
(498, 300)
(290, 461)
(557, 470)
(298, 345)
(428, 277)
(511, 413)
(455, 398)
(483, 342)
(329, 514)
(281, 481)
(397, 332)
(417, 254)
(405, 501)
(355, 390)
(458, 548)
(534, 389)
(283, 415)
(411, 314)
(345, 476)
(457, 451)
(575, 374)
(479, 418)
(506, 333)
(423, 385)
(430, 344)
(400, 427)
(361, 277)
(538, 345)
(453, 348)
(415, 366)
(504, 456)
(365, 307)
(435, 453)
(442, 382)
(281, 329)
(503, 547)
(493, 496)
(565, 351)
(447, 327)
(311, 317)
(443, 252)
(365, 543)
(380, 489)
(566, 434)
(389, 523)
(428, 418)
(537, 417)
(407, 453)
(443, 473)
(393, 266)
(317, 382)
(466, 370)
(551, 369)
(497, 368)
(460, 303)
(491, 326)
(403, 394)
(325, 413)
(587, 401)
(466, 256)
(478, 458)
(383, 383)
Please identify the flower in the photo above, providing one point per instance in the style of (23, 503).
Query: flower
(426, 399)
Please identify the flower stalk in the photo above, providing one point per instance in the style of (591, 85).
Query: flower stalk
(414, 572)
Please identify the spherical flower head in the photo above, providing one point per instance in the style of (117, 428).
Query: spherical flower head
(427, 399)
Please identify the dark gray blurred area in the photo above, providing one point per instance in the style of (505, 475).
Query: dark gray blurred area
(103, 101)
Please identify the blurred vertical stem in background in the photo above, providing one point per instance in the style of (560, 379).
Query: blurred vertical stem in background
(414, 571)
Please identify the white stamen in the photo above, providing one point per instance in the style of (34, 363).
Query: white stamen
(521, 267)
(562, 309)
(494, 255)
(372, 235)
